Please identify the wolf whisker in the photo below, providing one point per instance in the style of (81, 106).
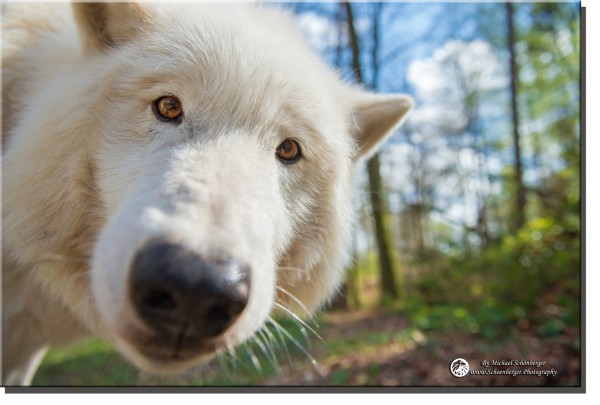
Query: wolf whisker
(282, 339)
(266, 338)
(275, 343)
(232, 354)
(299, 346)
(267, 350)
(263, 349)
(253, 358)
(297, 319)
(297, 301)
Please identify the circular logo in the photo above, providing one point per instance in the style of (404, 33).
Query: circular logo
(459, 368)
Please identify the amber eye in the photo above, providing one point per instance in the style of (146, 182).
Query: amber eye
(288, 151)
(168, 108)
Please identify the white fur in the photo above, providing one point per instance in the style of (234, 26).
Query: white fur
(90, 174)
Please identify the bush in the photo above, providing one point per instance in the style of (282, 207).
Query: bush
(530, 277)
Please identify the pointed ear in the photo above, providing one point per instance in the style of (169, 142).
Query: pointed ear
(376, 116)
(102, 25)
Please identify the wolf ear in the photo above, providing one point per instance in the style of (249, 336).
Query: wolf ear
(375, 117)
(103, 25)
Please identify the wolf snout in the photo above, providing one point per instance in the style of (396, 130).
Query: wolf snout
(180, 294)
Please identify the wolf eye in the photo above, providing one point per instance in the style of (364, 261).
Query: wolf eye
(168, 108)
(288, 151)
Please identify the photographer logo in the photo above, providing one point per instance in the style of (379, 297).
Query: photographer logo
(459, 368)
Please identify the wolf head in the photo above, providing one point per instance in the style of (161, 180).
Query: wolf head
(222, 151)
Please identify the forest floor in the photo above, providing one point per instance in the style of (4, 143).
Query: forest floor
(353, 348)
(411, 358)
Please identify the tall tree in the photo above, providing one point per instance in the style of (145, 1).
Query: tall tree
(551, 97)
(378, 203)
(520, 196)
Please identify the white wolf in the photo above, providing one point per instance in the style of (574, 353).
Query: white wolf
(170, 172)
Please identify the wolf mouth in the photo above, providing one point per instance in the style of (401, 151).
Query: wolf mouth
(156, 349)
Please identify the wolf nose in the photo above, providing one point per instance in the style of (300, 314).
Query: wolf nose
(174, 289)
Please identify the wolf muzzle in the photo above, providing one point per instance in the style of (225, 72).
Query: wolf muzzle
(179, 294)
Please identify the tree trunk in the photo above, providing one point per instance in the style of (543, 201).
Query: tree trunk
(378, 204)
(520, 198)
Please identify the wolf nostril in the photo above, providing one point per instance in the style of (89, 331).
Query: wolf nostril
(171, 286)
(159, 300)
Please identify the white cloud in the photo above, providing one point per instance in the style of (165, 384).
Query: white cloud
(319, 30)
(455, 66)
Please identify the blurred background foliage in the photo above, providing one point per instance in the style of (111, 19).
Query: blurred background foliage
(481, 186)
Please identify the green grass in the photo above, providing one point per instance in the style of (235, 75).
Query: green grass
(89, 362)
(95, 363)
